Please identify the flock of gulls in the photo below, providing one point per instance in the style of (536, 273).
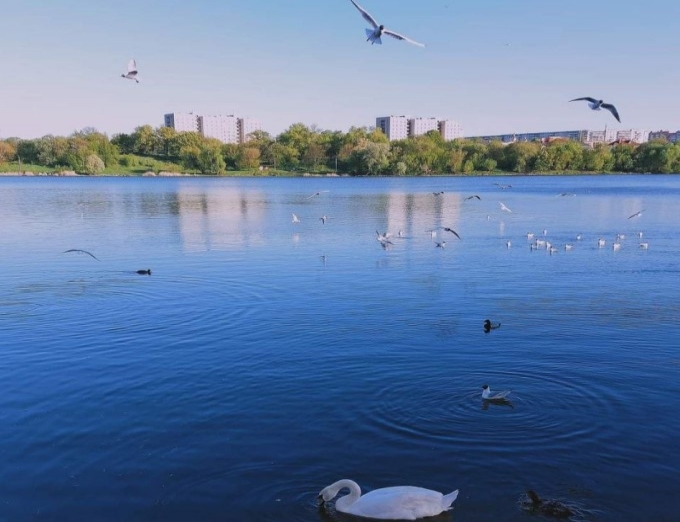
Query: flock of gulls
(410, 502)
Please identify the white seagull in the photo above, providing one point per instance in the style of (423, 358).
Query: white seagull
(378, 30)
(596, 105)
(296, 219)
(503, 207)
(498, 396)
(131, 71)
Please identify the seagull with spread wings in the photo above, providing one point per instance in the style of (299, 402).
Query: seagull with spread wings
(378, 30)
(596, 105)
(131, 71)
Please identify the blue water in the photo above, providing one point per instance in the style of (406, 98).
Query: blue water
(263, 359)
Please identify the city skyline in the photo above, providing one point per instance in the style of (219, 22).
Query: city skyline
(491, 66)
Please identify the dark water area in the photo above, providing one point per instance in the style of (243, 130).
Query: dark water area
(263, 359)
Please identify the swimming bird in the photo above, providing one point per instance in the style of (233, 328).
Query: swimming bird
(471, 197)
(144, 272)
(596, 105)
(488, 325)
(601, 243)
(530, 235)
(296, 219)
(616, 246)
(644, 246)
(323, 219)
(503, 207)
(568, 246)
(549, 508)
(447, 229)
(378, 30)
(317, 194)
(498, 396)
(637, 214)
(79, 250)
(393, 503)
(131, 71)
(508, 244)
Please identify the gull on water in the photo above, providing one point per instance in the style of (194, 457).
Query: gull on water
(503, 207)
(295, 219)
(644, 246)
(488, 325)
(323, 219)
(379, 30)
(596, 105)
(616, 246)
(508, 244)
(131, 71)
(487, 395)
(601, 243)
(82, 251)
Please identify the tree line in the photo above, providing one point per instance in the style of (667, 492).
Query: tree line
(360, 151)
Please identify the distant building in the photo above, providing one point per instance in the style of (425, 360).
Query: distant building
(223, 128)
(450, 130)
(394, 127)
(671, 137)
(245, 127)
(227, 129)
(420, 126)
(182, 121)
(583, 136)
(401, 127)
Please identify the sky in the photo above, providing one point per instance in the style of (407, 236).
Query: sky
(494, 66)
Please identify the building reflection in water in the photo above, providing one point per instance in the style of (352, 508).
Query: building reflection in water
(220, 218)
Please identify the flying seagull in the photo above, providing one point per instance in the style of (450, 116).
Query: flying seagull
(472, 197)
(503, 207)
(637, 214)
(447, 229)
(378, 30)
(131, 71)
(317, 194)
(596, 105)
(83, 251)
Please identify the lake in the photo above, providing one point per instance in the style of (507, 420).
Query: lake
(263, 359)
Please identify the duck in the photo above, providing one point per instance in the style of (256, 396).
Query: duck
(549, 508)
(391, 503)
(498, 396)
(144, 272)
(488, 325)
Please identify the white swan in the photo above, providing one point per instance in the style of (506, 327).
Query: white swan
(395, 503)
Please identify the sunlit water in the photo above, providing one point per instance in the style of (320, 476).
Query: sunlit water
(263, 359)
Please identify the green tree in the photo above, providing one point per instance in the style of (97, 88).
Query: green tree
(248, 158)
(7, 152)
(94, 164)
(210, 160)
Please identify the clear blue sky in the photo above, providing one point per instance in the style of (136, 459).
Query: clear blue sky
(287, 61)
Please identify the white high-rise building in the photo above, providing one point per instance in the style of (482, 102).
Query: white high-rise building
(245, 127)
(633, 135)
(419, 126)
(223, 128)
(182, 121)
(394, 127)
(450, 130)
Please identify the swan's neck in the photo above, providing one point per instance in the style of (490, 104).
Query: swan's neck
(354, 493)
